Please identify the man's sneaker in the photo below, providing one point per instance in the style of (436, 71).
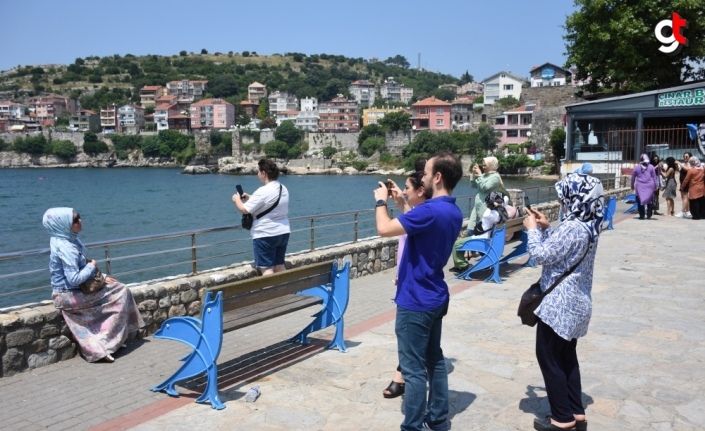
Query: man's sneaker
(688, 215)
(441, 427)
(680, 215)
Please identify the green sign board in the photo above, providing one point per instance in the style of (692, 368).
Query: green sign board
(694, 97)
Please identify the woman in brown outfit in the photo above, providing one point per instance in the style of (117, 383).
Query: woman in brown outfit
(694, 183)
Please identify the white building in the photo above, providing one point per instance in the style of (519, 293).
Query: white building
(280, 101)
(130, 118)
(308, 116)
(548, 75)
(501, 85)
(364, 92)
(392, 91)
(11, 110)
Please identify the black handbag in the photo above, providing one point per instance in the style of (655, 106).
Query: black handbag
(531, 299)
(247, 219)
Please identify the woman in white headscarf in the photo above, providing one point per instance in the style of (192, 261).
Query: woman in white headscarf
(564, 314)
(101, 322)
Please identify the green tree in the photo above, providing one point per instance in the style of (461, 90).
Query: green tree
(64, 149)
(465, 78)
(613, 46)
(396, 121)
(276, 149)
(204, 51)
(508, 102)
(183, 53)
(63, 120)
(329, 151)
(398, 60)
(488, 137)
(268, 123)
(370, 131)
(288, 133)
(34, 145)
(557, 141)
(94, 147)
(371, 145)
(263, 109)
(151, 146)
(444, 94)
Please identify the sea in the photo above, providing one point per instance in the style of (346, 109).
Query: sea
(128, 203)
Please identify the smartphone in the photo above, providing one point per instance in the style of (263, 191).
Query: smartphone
(527, 204)
(389, 187)
(239, 190)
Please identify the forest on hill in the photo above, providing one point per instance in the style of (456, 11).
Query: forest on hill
(97, 81)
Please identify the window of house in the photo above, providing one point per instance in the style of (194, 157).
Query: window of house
(526, 119)
(512, 119)
(500, 121)
(423, 111)
(508, 86)
(524, 133)
(439, 122)
(439, 111)
(512, 133)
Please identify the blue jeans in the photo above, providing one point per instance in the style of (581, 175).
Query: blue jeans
(421, 357)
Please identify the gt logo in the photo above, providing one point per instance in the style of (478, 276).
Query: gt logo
(676, 41)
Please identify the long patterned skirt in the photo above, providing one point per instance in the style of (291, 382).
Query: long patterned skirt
(102, 321)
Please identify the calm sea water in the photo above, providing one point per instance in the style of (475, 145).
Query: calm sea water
(133, 202)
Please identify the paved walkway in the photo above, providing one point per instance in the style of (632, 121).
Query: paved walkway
(642, 361)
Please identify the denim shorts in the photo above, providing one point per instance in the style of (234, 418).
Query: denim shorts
(270, 250)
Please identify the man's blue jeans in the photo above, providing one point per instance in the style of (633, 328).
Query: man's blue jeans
(421, 357)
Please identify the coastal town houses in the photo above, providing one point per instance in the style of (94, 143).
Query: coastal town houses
(307, 119)
(338, 115)
(363, 92)
(249, 108)
(46, 109)
(281, 101)
(109, 118)
(130, 119)
(392, 91)
(256, 92)
(430, 114)
(171, 117)
(461, 112)
(514, 125)
(187, 91)
(212, 114)
(373, 115)
(85, 119)
(290, 115)
(548, 75)
(149, 94)
(501, 85)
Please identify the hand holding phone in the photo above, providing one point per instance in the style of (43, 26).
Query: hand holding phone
(239, 190)
(389, 187)
(527, 204)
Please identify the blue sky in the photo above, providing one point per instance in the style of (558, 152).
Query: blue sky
(482, 37)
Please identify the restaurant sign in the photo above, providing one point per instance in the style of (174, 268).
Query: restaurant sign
(694, 97)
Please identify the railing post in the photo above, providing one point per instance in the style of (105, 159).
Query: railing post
(313, 241)
(107, 260)
(355, 240)
(194, 262)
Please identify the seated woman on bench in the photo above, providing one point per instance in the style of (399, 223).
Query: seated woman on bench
(498, 211)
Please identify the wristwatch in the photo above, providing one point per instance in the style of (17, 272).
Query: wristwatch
(381, 203)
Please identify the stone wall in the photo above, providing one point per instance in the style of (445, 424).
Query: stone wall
(544, 120)
(551, 97)
(36, 336)
(341, 141)
(396, 141)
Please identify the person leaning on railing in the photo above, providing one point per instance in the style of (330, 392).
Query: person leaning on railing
(101, 322)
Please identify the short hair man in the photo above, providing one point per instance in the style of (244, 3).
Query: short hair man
(422, 293)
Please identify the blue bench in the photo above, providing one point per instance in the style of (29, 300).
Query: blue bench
(631, 198)
(610, 210)
(245, 302)
(492, 249)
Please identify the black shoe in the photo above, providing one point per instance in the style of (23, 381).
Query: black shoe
(546, 425)
(455, 270)
(394, 390)
(581, 425)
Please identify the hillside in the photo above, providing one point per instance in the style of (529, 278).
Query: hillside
(117, 79)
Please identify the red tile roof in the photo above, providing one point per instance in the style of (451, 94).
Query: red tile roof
(431, 101)
(151, 87)
(213, 101)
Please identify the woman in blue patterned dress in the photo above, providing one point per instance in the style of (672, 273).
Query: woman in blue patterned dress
(564, 314)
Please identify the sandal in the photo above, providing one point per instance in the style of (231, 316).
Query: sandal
(394, 390)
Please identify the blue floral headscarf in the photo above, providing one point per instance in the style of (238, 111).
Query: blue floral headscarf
(581, 198)
(58, 222)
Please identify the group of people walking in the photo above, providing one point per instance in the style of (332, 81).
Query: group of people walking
(651, 176)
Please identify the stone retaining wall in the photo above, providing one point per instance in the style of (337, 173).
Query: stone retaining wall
(37, 336)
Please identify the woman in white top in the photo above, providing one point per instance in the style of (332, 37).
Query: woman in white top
(270, 231)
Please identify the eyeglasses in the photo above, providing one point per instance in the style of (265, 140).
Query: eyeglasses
(76, 218)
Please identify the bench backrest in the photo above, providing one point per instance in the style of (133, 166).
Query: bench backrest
(243, 293)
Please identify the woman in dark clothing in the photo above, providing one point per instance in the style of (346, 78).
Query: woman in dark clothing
(656, 163)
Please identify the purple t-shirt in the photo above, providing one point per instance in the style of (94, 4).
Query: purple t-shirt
(432, 229)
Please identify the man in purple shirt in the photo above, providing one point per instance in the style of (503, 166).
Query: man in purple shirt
(422, 293)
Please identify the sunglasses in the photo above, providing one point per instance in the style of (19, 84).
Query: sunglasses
(76, 218)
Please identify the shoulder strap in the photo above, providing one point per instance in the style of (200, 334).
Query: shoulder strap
(267, 211)
(565, 274)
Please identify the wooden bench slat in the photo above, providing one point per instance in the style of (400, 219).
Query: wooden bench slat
(267, 310)
(256, 296)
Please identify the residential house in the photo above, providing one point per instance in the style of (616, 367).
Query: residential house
(109, 118)
(290, 115)
(249, 108)
(392, 91)
(514, 125)
(461, 112)
(166, 99)
(338, 115)
(548, 75)
(501, 85)
(171, 117)
(280, 101)
(472, 89)
(130, 119)
(149, 94)
(452, 87)
(212, 114)
(430, 114)
(256, 92)
(373, 115)
(364, 92)
(187, 91)
(46, 109)
(11, 109)
(85, 119)
(308, 116)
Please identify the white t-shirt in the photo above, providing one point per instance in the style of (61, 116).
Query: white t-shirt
(489, 219)
(276, 222)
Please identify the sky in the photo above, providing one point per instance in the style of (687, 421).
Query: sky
(481, 37)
